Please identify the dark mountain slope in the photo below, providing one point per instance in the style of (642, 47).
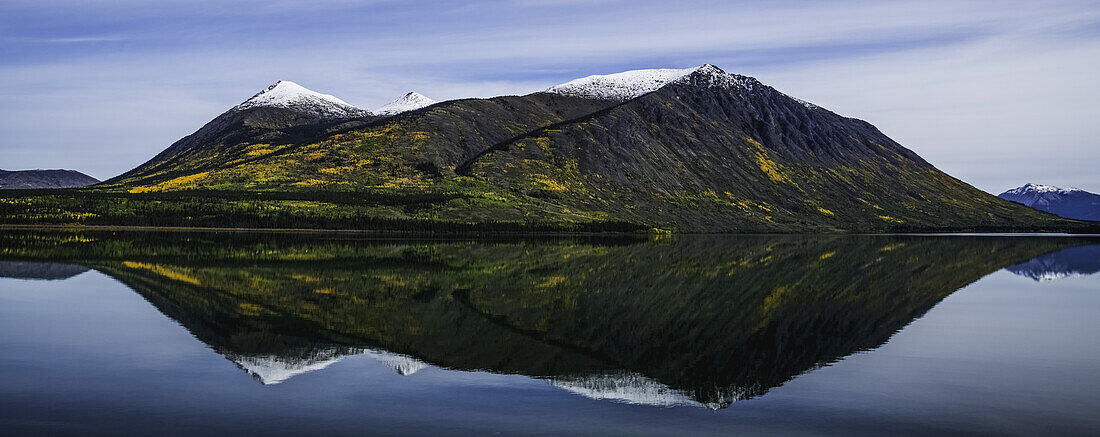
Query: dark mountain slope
(718, 151)
(245, 150)
(284, 113)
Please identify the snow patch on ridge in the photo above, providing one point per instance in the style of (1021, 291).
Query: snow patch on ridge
(632, 388)
(621, 86)
(1039, 188)
(1035, 195)
(635, 83)
(287, 94)
(408, 102)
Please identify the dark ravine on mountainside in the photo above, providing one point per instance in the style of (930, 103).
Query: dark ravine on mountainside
(692, 150)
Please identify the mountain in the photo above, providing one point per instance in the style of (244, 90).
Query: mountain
(695, 149)
(408, 102)
(1068, 263)
(284, 112)
(1071, 203)
(34, 179)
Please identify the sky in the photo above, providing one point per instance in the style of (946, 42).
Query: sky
(996, 93)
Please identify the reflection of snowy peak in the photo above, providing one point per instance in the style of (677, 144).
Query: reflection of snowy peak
(408, 102)
(273, 369)
(632, 388)
(1077, 261)
(289, 95)
(404, 365)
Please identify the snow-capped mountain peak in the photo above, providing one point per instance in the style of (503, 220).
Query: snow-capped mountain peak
(623, 86)
(1039, 188)
(634, 83)
(408, 102)
(287, 94)
(1066, 202)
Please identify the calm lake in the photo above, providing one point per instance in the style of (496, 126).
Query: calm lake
(271, 334)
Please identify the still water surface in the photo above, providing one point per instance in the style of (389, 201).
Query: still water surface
(184, 334)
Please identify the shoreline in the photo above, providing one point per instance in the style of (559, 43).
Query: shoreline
(386, 232)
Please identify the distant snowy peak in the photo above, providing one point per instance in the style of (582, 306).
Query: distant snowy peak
(408, 102)
(1035, 195)
(1039, 189)
(631, 84)
(1067, 202)
(287, 94)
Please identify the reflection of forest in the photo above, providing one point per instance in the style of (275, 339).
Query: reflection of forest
(686, 320)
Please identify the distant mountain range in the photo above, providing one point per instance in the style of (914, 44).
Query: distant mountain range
(695, 149)
(1077, 261)
(1071, 203)
(33, 179)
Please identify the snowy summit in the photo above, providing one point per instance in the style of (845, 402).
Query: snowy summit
(408, 102)
(287, 94)
(1030, 188)
(630, 84)
(621, 86)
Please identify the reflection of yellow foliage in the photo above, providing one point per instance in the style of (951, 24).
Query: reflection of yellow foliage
(776, 296)
(174, 274)
(552, 281)
(827, 255)
(250, 309)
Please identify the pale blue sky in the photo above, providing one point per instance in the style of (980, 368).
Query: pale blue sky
(997, 93)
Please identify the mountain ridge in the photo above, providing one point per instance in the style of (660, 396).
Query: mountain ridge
(42, 178)
(702, 151)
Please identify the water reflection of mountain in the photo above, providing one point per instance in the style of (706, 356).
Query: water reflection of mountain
(1076, 261)
(701, 321)
(39, 270)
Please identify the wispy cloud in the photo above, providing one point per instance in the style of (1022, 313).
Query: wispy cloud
(65, 40)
